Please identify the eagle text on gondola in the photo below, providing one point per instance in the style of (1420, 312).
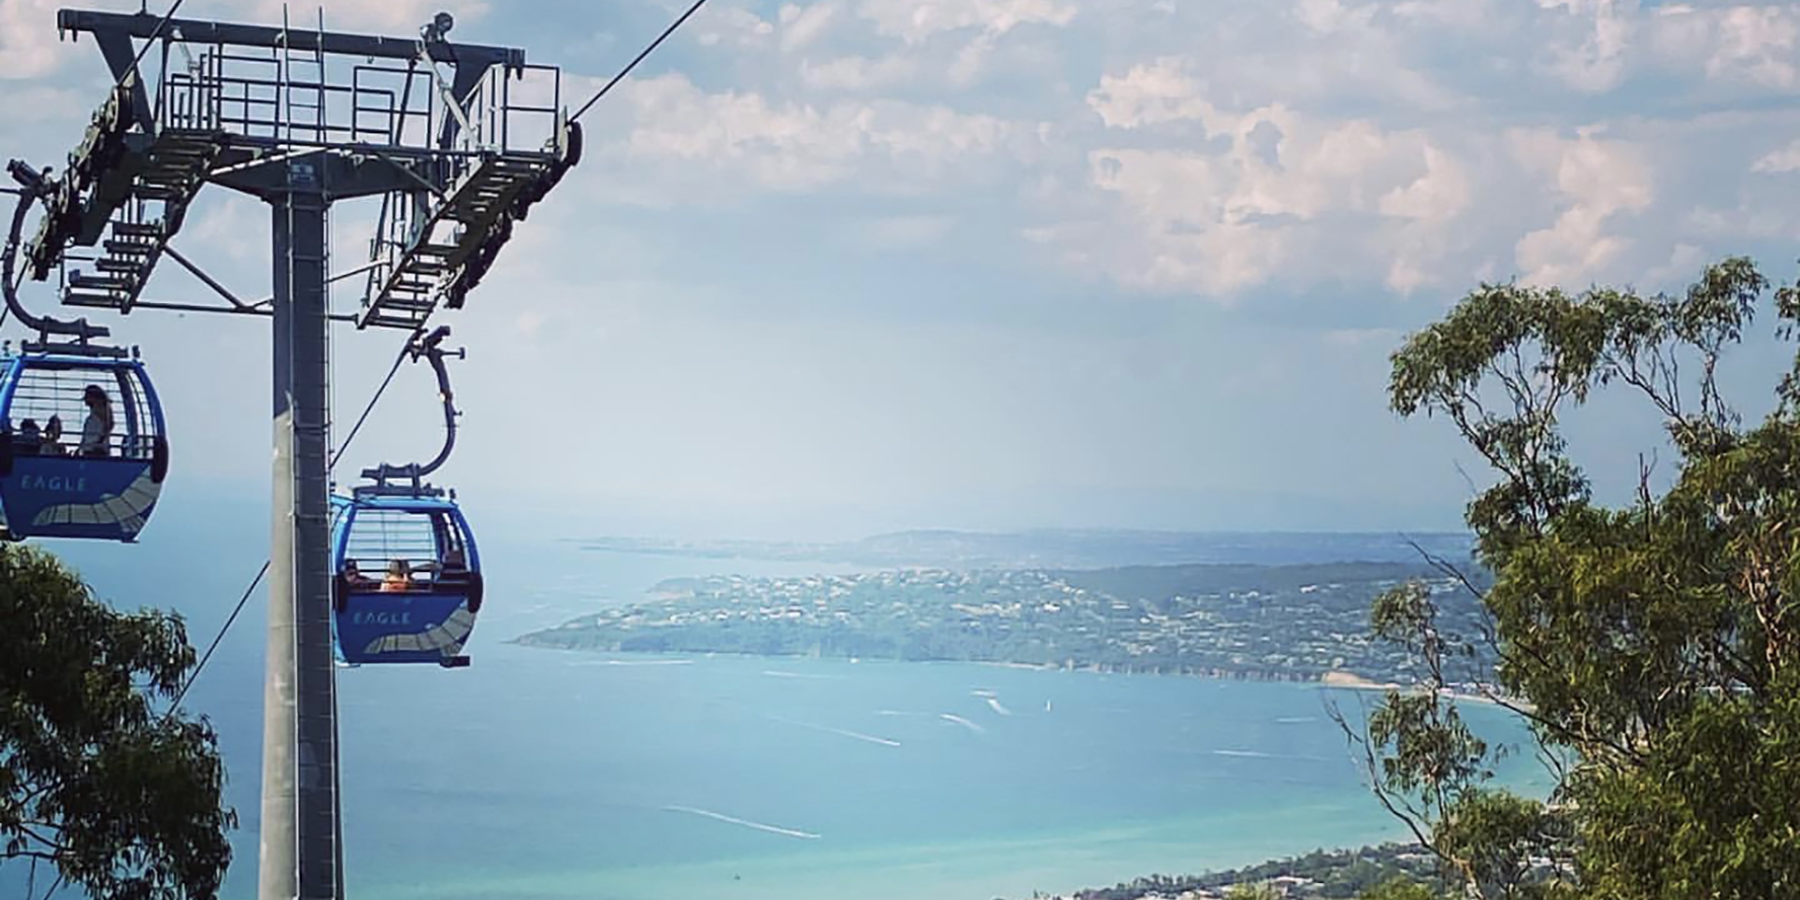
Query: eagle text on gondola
(382, 618)
(52, 483)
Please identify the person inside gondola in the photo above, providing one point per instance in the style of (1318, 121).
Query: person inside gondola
(29, 440)
(52, 445)
(399, 577)
(354, 577)
(99, 424)
(455, 567)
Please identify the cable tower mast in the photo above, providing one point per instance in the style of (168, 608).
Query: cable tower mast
(459, 140)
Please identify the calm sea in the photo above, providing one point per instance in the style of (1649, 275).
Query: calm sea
(539, 774)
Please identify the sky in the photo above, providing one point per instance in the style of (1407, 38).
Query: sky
(838, 267)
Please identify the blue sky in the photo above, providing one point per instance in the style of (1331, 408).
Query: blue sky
(850, 265)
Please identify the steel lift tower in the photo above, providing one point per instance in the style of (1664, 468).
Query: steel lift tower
(458, 140)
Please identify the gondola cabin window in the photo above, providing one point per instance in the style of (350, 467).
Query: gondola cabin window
(84, 411)
(401, 550)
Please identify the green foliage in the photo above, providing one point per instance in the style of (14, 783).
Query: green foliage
(1399, 889)
(1321, 874)
(1258, 891)
(1654, 648)
(97, 788)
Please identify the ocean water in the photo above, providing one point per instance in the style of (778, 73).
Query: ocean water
(566, 775)
(537, 774)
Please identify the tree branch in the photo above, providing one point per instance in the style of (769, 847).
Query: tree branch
(1407, 816)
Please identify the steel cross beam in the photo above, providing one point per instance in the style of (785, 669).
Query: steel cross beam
(144, 25)
(114, 31)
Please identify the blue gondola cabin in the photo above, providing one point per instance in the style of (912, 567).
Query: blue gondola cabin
(408, 579)
(83, 445)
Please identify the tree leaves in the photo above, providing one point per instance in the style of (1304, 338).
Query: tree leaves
(124, 800)
(1656, 648)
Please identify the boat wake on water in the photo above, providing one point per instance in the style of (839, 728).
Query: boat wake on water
(949, 717)
(759, 826)
(842, 731)
(1258, 754)
(630, 663)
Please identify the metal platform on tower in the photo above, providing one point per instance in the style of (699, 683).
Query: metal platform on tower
(456, 157)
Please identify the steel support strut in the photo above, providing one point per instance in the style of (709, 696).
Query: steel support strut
(300, 829)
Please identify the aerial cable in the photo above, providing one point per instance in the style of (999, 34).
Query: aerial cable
(217, 638)
(231, 619)
(404, 349)
(640, 58)
(149, 42)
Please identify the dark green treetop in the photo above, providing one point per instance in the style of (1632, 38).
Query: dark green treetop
(1654, 648)
(98, 789)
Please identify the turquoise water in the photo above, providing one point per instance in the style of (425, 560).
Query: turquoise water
(580, 776)
(540, 774)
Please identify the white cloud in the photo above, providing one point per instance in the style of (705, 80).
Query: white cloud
(801, 26)
(1220, 160)
(1153, 93)
(1738, 44)
(1684, 263)
(735, 27)
(861, 73)
(1746, 220)
(1315, 55)
(1727, 44)
(1404, 275)
(1436, 196)
(1424, 239)
(912, 49)
(229, 229)
(916, 20)
(749, 142)
(1214, 163)
(1336, 151)
(1597, 63)
(1680, 34)
(1218, 223)
(29, 46)
(1596, 179)
(1332, 16)
(1786, 159)
(1757, 45)
(1458, 15)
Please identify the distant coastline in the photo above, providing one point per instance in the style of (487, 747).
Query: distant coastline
(1295, 619)
(1296, 623)
(1322, 873)
(1058, 548)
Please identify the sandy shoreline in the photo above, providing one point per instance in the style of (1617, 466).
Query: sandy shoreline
(1354, 682)
(1357, 682)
